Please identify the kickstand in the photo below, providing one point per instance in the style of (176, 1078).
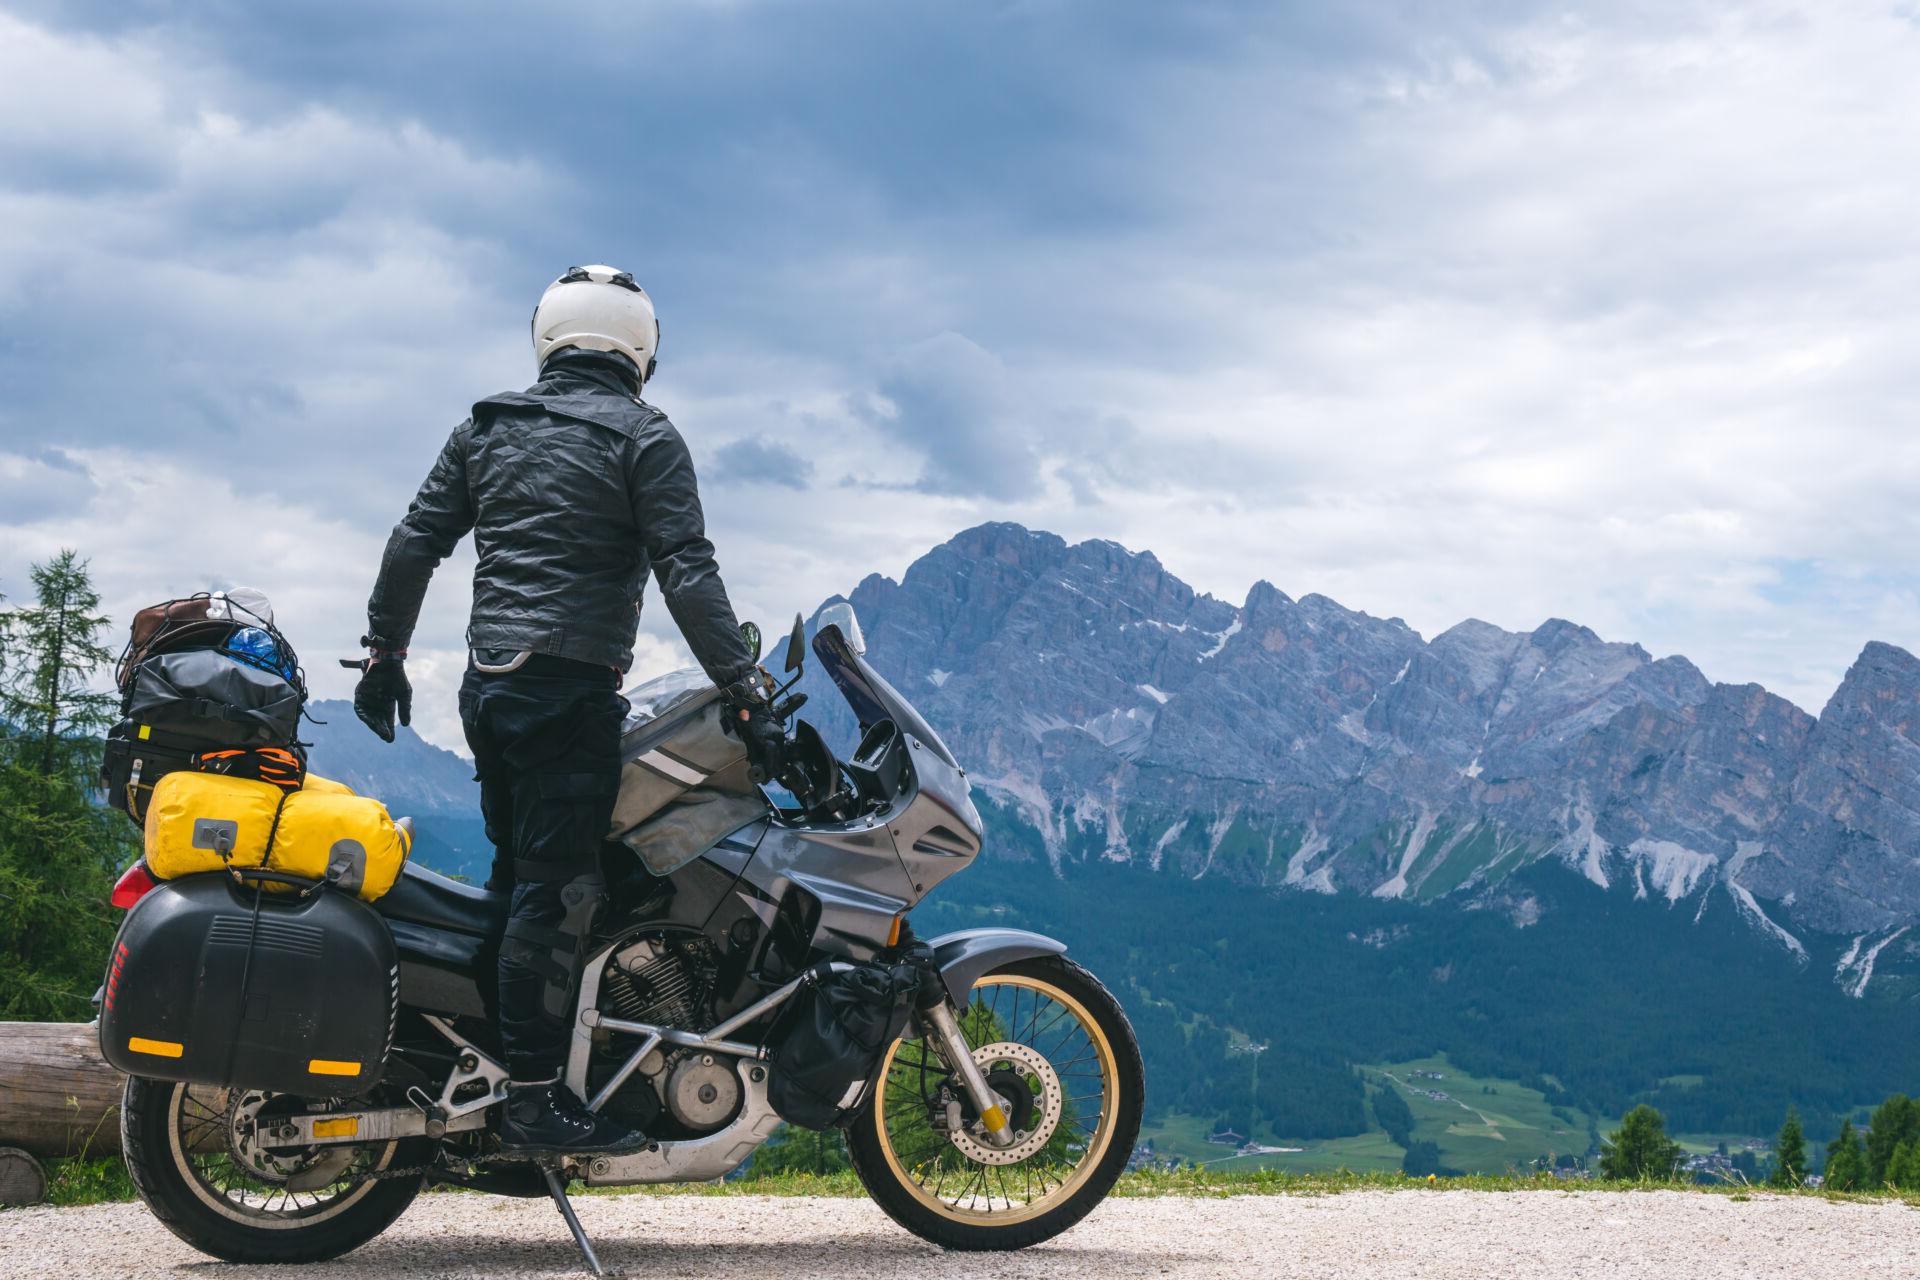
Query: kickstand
(558, 1189)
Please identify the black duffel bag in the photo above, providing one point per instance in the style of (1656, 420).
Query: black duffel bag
(830, 1039)
(202, 695)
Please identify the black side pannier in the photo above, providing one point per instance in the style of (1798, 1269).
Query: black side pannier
(830, 1038)
(215, 983)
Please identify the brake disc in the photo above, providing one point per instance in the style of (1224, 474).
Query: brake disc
(295, 1168)
(1041, 1110)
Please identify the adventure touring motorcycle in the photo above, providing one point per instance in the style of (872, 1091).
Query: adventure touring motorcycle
(308, 1049)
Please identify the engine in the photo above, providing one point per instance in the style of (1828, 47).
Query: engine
(666, 979)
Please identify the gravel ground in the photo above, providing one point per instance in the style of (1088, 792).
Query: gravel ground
(1403, 1235)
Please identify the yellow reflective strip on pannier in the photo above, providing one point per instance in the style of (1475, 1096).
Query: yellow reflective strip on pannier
(146, 731)
(158, 1048)
(328, 1067)
(343, 1128)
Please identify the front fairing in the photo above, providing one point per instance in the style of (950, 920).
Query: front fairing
(938, 830)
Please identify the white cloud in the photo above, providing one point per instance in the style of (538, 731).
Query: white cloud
(1606, 316)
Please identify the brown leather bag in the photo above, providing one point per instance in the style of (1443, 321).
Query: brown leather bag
(168, 623)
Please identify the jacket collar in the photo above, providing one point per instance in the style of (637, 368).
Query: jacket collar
(589, 386)
(566, 368)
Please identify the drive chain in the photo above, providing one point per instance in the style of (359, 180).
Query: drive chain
(422, 1170)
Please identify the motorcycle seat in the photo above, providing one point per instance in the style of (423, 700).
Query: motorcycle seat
(428, 898)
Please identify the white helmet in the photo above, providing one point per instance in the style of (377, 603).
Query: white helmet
(601, 309)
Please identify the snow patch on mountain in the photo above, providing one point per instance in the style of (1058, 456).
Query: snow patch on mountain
(1863, 966)
(1220, 639)
(1310, 848)
(1030, 800)
(1396, 886)
(1167, 837)
(1320, 881)
(1587, 845)
(1123, 729)
(1673, 868)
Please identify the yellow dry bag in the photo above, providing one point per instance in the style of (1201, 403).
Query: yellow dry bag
(200, 822)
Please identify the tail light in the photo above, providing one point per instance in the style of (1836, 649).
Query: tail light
(132, 884)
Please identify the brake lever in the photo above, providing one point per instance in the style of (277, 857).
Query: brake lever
(785, 708)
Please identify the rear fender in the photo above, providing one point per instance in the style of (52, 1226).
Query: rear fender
(963, 958)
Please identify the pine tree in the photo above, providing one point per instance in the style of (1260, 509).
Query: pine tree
(1790, 1153)
(1903, 1168)
(1640, 1149)
(1893, 1122)
(58, 848)
(48, 700)
(1422, 1159)
(1846, 1160)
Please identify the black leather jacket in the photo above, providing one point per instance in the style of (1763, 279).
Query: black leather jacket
(574, 489)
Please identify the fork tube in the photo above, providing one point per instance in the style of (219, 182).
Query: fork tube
(953, 1047)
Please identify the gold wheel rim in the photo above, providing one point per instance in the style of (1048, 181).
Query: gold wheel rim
(1010, 1213)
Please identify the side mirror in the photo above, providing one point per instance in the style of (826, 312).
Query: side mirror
(750, 632)
(797, 643)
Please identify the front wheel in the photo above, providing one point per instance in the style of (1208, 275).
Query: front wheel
(1057, 1049)
(194, 1156)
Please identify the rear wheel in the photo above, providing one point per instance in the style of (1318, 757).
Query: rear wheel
(1057, 1049)
(194, 1156)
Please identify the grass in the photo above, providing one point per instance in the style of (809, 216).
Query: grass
(1483, 1125)
(1478, 1132)
(82, 1182)
(77, 1180)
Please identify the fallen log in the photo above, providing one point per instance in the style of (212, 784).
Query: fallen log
(22, 1180)
(58, 1097)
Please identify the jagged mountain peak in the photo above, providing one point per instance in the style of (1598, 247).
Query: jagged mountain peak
(1264, 595)
(1557, 635)
(1882, 674)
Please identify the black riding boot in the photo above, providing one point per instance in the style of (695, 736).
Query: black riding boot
(548, 1120)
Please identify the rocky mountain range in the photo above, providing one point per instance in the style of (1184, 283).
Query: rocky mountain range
(1303, 747)
(1300, 745)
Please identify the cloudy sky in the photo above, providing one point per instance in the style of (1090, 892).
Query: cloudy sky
(1505, 310)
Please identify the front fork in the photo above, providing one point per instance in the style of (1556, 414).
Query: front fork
(939, 1019)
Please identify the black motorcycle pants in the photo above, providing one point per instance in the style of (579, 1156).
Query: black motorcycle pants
(546, 749)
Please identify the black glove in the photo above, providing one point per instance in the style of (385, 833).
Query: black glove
(383, 692)
(750, 718)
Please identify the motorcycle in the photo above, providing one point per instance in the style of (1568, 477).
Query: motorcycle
(1000, 1116)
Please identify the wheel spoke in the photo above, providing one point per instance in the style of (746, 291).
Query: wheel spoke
(215, 1135)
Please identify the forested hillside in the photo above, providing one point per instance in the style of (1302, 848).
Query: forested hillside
(1605, 1002)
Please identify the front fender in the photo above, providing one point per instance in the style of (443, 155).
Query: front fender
(964, 957)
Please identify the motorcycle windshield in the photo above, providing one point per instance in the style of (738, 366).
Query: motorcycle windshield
(869, 694)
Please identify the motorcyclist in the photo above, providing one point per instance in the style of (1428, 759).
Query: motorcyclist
(574, 489)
